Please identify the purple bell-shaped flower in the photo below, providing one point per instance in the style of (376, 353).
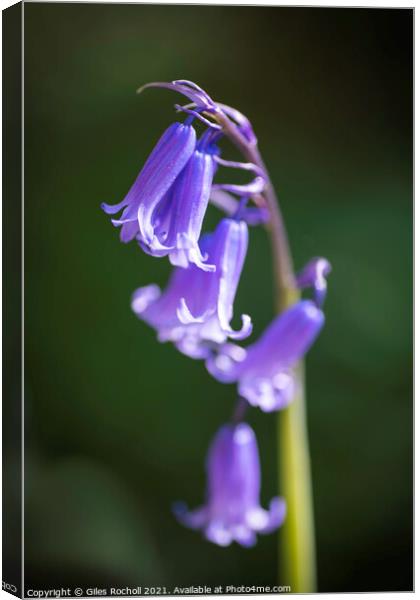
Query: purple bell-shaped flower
(165, 208)
(264, 370)
(232, 511)
(164, 164)
(173, 227)
(196, 308)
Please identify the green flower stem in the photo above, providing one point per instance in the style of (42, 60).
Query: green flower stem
(297, 536)
(297, 541)
(297, 549)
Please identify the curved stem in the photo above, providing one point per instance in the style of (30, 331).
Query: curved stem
(297, 541)
(286, 292)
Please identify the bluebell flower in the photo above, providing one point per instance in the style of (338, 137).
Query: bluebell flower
(173, 228)
(165, 207)
(232, 512)
(164, 164)
(195, 310)
(264, 370)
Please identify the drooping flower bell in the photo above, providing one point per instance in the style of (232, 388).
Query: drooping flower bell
(173, 227)
(196, 308)
(166, 205)
(264, 370)
(164, 164)
(232, 512)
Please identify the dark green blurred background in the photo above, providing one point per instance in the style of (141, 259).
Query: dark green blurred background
(117, 424)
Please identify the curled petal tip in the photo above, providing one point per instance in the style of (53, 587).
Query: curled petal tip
(277, 512)
(314, 275)
(182, 257)
(256, 186)
(194, 519)
(144, 297)
(244, 332)
(186, 317)
(111, 209)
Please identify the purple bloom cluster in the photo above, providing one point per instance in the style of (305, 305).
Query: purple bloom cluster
(165, 207)
(163, 212)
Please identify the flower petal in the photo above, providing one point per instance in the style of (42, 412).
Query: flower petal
(256, 186)
(186, 317)
(265, 394)
(277, 514)
(218, 533)
(187, 251)
(285, 341)
(195, 519)
(144, 297)
(314, 275)
(225, 365)
(242, 333)
(244, 536)
(129, 231)
(190, 198)
(112, 209)
(193, 346)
